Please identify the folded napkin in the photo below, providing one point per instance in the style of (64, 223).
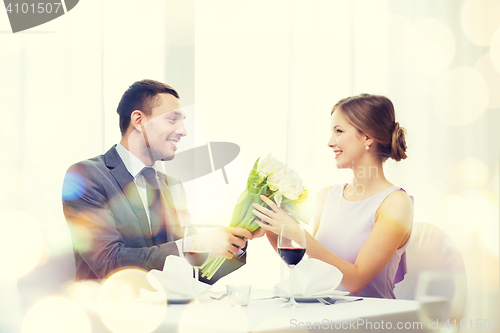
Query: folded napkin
(174, 282)
(312, 278)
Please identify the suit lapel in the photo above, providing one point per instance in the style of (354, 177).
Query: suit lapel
(128, 187)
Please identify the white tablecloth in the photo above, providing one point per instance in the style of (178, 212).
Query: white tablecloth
(367, 315)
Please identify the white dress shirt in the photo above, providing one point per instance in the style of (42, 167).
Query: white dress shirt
(134, 166)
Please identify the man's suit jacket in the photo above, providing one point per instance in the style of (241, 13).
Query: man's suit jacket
(108, 224)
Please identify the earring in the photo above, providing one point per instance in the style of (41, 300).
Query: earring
(367, 147)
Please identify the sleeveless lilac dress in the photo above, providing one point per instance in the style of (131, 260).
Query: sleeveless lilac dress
(344, 228)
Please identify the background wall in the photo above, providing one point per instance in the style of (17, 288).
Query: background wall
(263, 75)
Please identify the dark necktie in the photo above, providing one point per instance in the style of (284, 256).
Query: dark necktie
(156, 211)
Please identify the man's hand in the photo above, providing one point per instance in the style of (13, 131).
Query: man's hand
(226, 242)
(258, 233)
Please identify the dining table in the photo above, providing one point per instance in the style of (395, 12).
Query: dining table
(214, 313)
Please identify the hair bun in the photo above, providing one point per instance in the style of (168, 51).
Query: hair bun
(398, 146)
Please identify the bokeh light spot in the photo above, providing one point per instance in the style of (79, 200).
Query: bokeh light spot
(18, 258)
(84, 292)
(429, 46)
(131, 191)
(73, 186)
(81, 232)
(56, 315)
(58, 240)
(474, 172)
(422, 53)
(212, 319)
(487, 222)
(495, 50)
(480, 19)
(485, 67)
(121, 308)
(472, 214)
(462, 97)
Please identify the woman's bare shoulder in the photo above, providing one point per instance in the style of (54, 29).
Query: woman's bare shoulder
(397, 207)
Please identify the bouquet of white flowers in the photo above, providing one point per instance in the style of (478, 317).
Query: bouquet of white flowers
(274, 180)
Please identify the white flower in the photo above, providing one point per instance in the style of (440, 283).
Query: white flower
(291, 185)
(275, 179)
(269, 166)
(280, 179)
(287, 182)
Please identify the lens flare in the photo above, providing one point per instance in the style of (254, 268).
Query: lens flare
(18, 258)
(73, 186)
(56, 315)
(121, 308)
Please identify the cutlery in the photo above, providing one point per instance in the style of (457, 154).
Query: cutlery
(331, 301)
(348, 300)
(325, 302)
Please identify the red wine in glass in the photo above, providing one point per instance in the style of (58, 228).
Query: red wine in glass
(196, 258)
(291, 256)
(291, 248)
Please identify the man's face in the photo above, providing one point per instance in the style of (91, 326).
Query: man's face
(164, 128)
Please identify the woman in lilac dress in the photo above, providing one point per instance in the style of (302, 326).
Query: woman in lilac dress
(362, 227)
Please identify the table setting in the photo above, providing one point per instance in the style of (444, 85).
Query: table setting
(242, 308)
(164, 301)
(315, 280)
(173, 299)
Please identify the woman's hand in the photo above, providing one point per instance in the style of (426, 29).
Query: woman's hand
(271, 220)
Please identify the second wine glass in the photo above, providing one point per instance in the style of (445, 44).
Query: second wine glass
(196, 247)
(292, 247)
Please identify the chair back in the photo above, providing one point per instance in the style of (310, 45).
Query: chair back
(431, 251)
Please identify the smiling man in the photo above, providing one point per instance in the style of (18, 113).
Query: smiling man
(122, 212)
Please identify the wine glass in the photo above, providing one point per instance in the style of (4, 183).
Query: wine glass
(291, 247)
(442, 300)
(196, 247)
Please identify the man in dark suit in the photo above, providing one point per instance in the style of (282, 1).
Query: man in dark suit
(120, 211)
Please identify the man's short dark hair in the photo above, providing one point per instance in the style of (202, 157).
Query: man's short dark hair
(141, 95)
